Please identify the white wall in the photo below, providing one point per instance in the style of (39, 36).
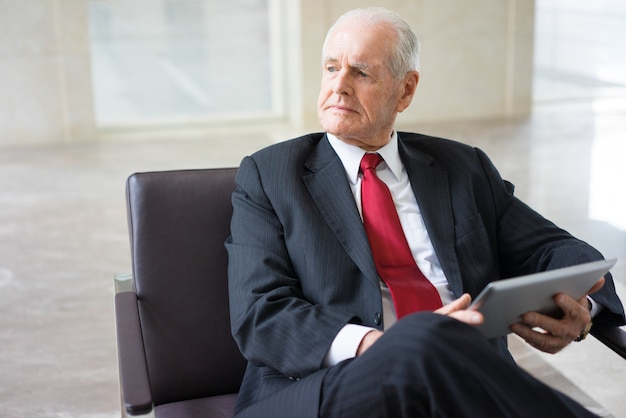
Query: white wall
(476, 63)
(476, 55)
(45, 81)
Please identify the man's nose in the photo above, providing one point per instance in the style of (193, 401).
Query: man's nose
(342, 83)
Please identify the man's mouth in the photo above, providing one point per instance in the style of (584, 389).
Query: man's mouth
(340, 108)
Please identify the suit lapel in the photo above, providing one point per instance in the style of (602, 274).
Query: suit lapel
(432, 191)
(329, 189)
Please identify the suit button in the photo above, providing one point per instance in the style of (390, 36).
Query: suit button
(377, 318)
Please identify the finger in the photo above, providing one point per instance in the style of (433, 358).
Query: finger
(548, 324)
(597, 286)
(468, 316)
(458, 304)
(575, 313)
(542, 341)
(569, 306)
(558, 332)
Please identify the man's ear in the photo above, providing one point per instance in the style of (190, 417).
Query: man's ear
(410, 85)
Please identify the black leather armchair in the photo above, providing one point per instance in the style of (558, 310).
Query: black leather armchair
(176, 354)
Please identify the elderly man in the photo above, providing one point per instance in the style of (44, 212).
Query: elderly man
(354, 256)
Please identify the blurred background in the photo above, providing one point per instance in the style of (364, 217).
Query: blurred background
(94, 90)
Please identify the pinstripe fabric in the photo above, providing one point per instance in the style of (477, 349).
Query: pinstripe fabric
(300, 267)
(453, 373)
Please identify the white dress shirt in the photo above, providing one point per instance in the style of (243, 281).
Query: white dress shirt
(391, 171)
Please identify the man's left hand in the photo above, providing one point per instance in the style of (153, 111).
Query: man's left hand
(550, 334)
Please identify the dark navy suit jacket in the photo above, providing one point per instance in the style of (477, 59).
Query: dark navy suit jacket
(300, 265)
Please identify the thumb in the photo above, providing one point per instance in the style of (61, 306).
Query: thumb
(458, 304)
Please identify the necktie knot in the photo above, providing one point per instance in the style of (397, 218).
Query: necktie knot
(370, 160)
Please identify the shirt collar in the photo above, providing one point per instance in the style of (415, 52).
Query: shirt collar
(351, 155)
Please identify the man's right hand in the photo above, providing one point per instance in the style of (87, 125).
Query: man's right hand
(457, 309)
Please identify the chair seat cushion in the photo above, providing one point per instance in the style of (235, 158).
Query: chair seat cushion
(221, 406)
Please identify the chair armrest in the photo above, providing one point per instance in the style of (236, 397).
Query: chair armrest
(133, 369)
(612, 337)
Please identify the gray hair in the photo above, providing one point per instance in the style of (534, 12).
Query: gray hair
(405, 58)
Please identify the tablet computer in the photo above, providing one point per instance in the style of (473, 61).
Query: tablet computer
(503, 302)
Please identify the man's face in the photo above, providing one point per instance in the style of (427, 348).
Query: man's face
(359, 98)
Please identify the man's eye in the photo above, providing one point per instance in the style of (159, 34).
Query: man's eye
(362, 74)
(331, 69)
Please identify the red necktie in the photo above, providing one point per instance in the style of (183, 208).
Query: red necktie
(410, 290)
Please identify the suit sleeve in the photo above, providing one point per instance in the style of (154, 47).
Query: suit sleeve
(528, 243)
(272, 322)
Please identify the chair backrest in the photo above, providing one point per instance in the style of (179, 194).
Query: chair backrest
(178, 222)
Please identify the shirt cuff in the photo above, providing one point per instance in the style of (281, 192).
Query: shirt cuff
(595, 307)
(345, 344)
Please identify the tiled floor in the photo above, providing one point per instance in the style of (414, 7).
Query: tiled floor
(63, 234)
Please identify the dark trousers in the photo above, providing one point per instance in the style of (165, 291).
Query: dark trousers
(430, 365)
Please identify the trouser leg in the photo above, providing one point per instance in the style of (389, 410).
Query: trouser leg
(430, 365)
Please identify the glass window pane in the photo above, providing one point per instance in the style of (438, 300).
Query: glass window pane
(579, 49)
(162, 61)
